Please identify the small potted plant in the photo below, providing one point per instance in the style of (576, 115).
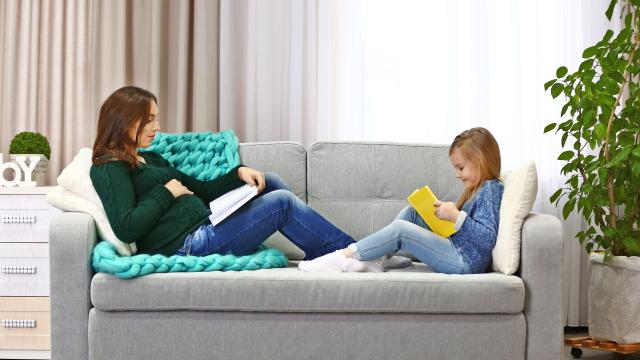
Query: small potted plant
(600, 127)
(32, 144)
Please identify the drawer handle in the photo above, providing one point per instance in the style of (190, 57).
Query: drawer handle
(9, 323)
(28, 270)
(19, 219)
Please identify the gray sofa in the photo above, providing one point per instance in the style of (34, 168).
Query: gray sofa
(286, 314)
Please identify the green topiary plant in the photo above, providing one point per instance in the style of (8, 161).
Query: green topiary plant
(601, 118)
(30, 143)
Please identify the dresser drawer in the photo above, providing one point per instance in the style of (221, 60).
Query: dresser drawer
(21, 202)
(25, 218)
(25, 323)
(25, 225)
(24, 269)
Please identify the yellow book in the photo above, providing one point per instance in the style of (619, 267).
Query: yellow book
(422, 200)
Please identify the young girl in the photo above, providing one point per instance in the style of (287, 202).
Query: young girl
(163, 210)
(475, 155)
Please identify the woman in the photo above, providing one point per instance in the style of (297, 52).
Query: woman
(163, 210)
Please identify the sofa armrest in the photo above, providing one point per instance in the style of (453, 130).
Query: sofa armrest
(541, 271)
(72, 236)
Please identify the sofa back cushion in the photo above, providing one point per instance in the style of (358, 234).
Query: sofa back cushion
(289, 160)
(361, 187)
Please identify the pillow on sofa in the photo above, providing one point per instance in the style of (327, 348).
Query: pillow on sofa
(520, 189)
(69, 201)
(76, 193)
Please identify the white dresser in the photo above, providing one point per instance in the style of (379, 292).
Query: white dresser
(25, 325)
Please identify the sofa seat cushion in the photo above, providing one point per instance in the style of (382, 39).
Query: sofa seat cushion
(412, 290)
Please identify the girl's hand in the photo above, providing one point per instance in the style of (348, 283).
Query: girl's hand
(252, 177)
(446, 211)
(177, 189)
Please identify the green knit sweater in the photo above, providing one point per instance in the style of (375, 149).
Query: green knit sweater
(141, 209)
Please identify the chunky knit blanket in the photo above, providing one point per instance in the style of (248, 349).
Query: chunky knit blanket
(204, 156)
(106, 259)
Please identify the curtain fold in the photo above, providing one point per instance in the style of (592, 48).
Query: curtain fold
(45, 74)
(167, 47)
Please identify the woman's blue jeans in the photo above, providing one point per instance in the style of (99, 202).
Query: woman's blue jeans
(275, 209)
(409, 232)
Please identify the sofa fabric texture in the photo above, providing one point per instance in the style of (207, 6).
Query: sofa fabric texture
(286, 314)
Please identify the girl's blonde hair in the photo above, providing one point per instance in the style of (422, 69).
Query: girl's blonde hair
(478, 146)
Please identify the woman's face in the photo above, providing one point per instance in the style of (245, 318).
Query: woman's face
(151, 125)
(466, 171)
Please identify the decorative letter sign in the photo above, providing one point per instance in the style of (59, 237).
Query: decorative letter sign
(18, 169)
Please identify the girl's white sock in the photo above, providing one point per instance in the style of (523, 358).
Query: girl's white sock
(331, 262)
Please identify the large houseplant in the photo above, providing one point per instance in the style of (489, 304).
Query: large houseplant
(599, 127)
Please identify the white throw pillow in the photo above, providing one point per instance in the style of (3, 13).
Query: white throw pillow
(69, 201)
(76, 193)
(520, 189)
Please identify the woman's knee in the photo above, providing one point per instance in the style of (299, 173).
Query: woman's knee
(284, 198)
(274, 181)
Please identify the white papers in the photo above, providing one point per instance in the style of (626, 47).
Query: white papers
(226, 204)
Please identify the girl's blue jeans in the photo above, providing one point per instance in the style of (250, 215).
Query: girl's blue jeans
(409, 232)
(275, 209)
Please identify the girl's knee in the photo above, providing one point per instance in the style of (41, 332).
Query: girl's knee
(408, 213)
(400, 226)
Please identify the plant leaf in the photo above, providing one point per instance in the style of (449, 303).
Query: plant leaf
(589, 52)
(556, 90)
(567, 208)
(609, 11)
(549, 127)
(555, 196)
(548, 84)
(635, 169)
(566, 155)
(600, 130)
(562, 71)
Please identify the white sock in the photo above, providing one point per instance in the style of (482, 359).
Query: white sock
(375, 265)
(332, 262)
(397, 262)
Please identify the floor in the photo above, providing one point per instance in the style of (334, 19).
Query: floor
(592, 354)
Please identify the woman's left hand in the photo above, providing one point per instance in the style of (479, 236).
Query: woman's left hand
(446, 211)
(252, 177)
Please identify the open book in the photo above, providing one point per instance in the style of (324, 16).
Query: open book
(226, 204)
(422, 200)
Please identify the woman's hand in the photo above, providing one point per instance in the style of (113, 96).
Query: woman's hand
(446, 211)
(177, 189)
(252, 177)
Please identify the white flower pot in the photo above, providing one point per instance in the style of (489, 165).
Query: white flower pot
(614, 299)
(39, 174)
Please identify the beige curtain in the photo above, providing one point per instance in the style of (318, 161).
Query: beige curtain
(167, 47)
(45, 74)
(60, 59)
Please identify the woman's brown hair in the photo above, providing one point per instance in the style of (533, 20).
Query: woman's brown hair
(118, 114)
(478, 146)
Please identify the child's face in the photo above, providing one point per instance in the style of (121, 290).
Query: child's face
(466, 171)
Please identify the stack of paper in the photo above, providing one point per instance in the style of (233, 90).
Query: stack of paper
(226, 204)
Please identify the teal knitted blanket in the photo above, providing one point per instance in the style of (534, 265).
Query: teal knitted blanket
(106, 259)
(204, 155)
